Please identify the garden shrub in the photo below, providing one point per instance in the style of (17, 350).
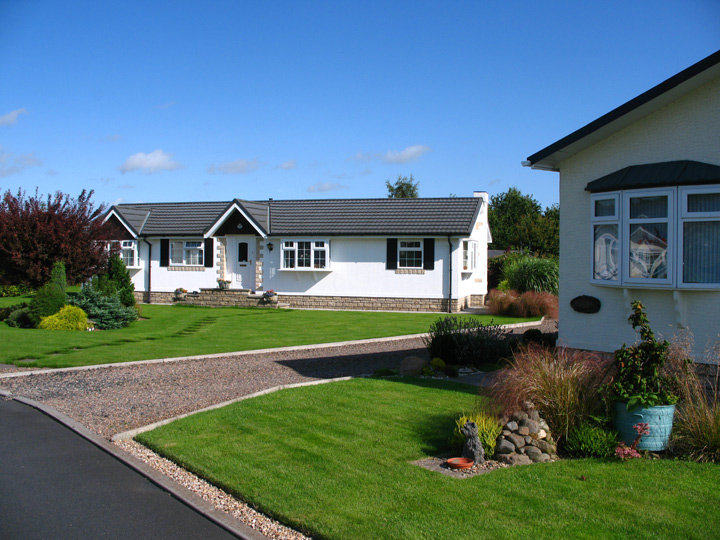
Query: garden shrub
(57, 276)
(488, 430)
(437, 364)
(116, 281)
(68, 318)
(467, 341)
(563, 385)
(6, 311)
(14, 290)
(47, 301)
(528, 304)
(590, 440)
(20, 318)
(106, 312)
(533, 274)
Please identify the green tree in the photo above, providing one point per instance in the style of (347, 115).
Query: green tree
(404, 188)
(517, 222)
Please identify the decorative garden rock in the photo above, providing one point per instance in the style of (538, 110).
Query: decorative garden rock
(525, 439)
(473, 448)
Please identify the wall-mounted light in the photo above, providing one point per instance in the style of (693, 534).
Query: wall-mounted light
(270, 246)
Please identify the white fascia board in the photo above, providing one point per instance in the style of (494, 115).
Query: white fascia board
(122, 220)
(225, 215)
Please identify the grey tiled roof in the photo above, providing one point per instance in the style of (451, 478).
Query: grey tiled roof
(330, 217)
(453, 215)
(176, 219)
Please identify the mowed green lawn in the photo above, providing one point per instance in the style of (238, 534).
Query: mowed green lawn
(171, 331)
(335, 461)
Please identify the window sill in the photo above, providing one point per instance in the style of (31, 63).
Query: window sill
(659, 286)
(416, 271)
(183, 268)
(306, 269)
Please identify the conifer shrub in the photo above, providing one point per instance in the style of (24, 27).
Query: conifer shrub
(106, 312)
(20, 318)
(57, 276)
(68, 318)
(5, 312)
(47, 301)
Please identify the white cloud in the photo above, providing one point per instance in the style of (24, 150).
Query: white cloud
(322, 187)
(112, 138)
(12, 164)
(411, 153)
(291, 164)
(155, 161)
(11, 117)
(240, 166)
(365, 171)
(166, 105)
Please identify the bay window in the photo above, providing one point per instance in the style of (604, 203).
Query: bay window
(665, 237)
(305, 254)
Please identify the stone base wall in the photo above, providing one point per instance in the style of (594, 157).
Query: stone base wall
(355, 303)
(244, 298)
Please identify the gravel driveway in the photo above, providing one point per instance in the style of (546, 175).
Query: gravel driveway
(119, 397)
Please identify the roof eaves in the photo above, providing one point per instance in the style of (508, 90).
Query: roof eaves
(113, 210)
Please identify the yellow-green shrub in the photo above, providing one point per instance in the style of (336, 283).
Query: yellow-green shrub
(488, 430)
(68, 318)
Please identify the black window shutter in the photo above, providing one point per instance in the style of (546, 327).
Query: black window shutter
(391, 259)
(429, 254)
(209, 252)
(164, 252)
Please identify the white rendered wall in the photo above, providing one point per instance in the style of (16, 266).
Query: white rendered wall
(475, 282)
(357, 269)
(688, 129)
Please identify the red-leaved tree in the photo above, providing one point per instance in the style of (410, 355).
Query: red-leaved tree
(35, 232)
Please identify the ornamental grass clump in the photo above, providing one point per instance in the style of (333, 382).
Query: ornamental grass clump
(696, 432)
(527, 304)
(532, 274)
(564, 385)
(489, 429)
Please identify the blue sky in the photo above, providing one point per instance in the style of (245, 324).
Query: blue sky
(203, 100)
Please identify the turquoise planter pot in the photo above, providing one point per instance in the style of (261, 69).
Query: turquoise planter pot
(660, 420)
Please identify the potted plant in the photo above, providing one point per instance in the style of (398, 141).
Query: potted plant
(269, 294)
(180, 293)
(223, 283)
(641, 392)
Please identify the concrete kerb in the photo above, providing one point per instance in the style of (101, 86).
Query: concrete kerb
(243, 353)
(125, 435)
(177, 491)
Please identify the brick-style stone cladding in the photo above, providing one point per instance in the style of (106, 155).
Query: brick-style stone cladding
(243, 298)
(439, 305)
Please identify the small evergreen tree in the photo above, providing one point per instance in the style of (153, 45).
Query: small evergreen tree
(48, 300)
(57, 275)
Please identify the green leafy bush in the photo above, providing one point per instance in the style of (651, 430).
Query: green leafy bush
(638, 378)
(564, 385)
(47, 301)
(106, 312)
(488, 430)
(14, 290)
(6, 311)
(590, 440)
(20, 318)
(467, 341)
(532, 274)
(437, 364)
(68, 318)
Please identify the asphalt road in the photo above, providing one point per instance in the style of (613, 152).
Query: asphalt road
(56, 485)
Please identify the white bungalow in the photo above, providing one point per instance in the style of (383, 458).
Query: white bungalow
(640, 199)
(390, 254)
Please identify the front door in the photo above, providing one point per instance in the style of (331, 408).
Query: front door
(243, 259)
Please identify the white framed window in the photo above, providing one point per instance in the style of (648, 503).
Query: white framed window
(700, 236)
(605, 218)
(410, 254)
(127, 251)
(305, 255)
(662, 237)
(469, 254)
(648, 245)
(186, 253)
